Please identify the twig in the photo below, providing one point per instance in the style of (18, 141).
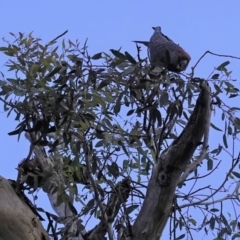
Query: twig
(7, 103)
(57, 37)
(50, 225)
(228, 197)
(202, 202)
(215, 54)
(209, 173)
(181, 215)
(191, 193)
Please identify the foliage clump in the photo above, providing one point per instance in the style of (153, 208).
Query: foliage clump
(100, 125)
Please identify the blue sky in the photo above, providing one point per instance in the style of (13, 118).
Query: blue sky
(196, 25)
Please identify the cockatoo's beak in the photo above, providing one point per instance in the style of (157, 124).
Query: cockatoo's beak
(182, 65)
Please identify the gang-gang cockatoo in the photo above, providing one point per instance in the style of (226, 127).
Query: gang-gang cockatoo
(165, 53)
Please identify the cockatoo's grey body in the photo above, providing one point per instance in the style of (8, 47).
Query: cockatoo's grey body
(165, 53)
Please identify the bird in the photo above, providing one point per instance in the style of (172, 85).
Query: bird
(164, 52)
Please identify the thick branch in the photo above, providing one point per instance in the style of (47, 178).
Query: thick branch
(17, 220)
(171, 164)
(192, 167)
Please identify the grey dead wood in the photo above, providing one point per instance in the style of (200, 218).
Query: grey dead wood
(18, 222)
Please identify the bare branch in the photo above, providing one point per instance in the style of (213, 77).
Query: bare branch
(234, 195)
(215, 54)
(217, 190)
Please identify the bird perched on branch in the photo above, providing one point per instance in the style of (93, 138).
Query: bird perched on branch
(163, 52)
